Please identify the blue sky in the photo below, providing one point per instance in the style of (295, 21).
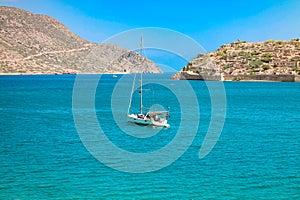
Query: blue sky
(211, 23)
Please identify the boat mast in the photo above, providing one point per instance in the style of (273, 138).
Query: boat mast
(132, 90)
(141, 80)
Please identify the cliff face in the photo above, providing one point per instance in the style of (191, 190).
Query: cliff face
(241, 60)
(33, 43)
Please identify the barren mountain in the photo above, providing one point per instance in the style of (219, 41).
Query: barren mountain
(34, 43)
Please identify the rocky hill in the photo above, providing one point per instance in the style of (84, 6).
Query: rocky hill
(270, 61)
(34, 43)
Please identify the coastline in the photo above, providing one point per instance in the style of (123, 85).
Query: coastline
(32, 74)
(238, 78)
(247, 78)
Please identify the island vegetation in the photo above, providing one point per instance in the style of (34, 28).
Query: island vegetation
(269, 60)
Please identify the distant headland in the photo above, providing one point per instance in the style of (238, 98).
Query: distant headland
(38, 44)
(247, 61)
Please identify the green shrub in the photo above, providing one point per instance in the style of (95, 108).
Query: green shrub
(268, 55)
(270, 41)
(245, 55)
(254, 53)
(238, 78)
(295, 59)
(266, 59)
(242, 53)
(227, 66)
(251, 72)
(222, 54)
(266, 67)
(255, 63)
(280, 42)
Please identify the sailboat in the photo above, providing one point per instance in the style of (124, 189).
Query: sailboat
(153, 118)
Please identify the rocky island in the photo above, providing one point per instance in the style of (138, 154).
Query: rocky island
(247, 61)
(38, 44)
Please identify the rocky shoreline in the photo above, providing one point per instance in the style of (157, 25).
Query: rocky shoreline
(254, 78)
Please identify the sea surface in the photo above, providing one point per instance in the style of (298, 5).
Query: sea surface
(43, 156)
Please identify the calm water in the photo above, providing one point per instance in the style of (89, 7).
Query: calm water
(42, 156)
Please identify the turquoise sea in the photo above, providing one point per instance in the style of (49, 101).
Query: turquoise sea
(42, 156)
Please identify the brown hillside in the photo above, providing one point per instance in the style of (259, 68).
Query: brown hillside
(34, 43)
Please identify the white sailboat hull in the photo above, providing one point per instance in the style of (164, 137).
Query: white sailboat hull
(143, 120)
(161, 124)
(138, 120)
